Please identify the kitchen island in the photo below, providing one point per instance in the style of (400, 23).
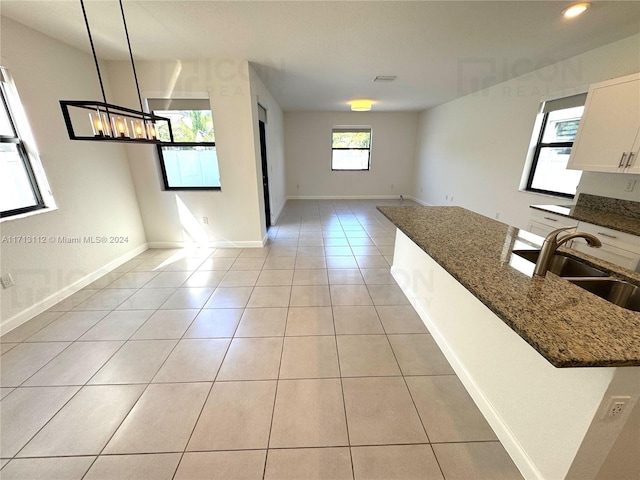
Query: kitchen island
(516, 341)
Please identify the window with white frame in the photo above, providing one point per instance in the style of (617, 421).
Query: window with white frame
(351, 148)
(557, 126)
(191, 162)
(19, 189)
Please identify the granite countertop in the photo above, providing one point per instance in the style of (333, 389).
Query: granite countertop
(567, 325)
(620, 215)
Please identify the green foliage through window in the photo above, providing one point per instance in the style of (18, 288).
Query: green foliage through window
(188, 125)
(351, 149)
(351, 139)
(191, 163)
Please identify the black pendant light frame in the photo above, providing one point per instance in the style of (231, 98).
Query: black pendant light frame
(110, 123)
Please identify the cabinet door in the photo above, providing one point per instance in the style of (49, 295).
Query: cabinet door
(634, 162)
(608, 127)
(539, 229)
(617, 256)
(619, 248)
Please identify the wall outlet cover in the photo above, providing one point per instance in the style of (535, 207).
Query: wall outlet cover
(630, 185)
(6, 281)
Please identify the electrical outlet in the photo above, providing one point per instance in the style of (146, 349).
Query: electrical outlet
(615, 407)
(392, 186)
(497, 215)
(6, 281)
(205, 220)
(630, 185)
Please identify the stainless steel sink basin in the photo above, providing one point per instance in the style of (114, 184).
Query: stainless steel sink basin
(563, 266)
(615, 291)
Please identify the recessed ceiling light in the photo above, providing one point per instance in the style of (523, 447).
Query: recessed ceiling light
(385, 78)
(361, 105)
(575, 10)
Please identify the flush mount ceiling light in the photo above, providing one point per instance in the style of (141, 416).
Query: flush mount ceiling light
(575, 10)
(361, 105)
(107, 122)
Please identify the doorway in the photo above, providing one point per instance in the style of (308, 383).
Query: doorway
(265, 167)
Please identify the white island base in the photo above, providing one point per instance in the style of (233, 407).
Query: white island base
(550, 420)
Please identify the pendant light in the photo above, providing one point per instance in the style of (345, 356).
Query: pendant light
(104, 122)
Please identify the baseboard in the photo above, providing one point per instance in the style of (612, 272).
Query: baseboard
(502, 431)
(357, 197)
(417, 200)
(345, 197)
(67, 291)
(211, 244)
(275, 217)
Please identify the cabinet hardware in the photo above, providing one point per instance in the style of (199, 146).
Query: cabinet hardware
(629, 160)
(621, 164)
(606, 235)
(552, 219)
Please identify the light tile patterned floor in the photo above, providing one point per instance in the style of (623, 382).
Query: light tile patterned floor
(300, 360)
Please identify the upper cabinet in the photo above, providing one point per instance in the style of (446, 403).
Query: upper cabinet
(608, 138)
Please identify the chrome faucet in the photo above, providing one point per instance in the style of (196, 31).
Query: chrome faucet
(551, 244)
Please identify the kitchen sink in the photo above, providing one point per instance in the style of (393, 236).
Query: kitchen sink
(615, 291)
(593, 280)
(563, 266)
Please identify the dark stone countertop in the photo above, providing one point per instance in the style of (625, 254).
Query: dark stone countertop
(567, 325)
(616, 214)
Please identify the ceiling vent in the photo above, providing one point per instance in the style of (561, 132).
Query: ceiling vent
(385, 78)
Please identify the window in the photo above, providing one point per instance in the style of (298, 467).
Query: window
(19, 191)
(193, 164)
(558, 128)
(351, 149)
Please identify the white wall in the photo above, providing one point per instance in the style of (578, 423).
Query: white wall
(548, 419)
(623, 461)
(308, 154)
(274, 130)
(609, 185)
(91, 182)
(173, 217)
(473, 149)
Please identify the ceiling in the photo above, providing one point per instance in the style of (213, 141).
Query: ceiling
(319, 55)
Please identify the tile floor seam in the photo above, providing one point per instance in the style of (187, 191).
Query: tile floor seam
(275, 395)
(22, 384)
(91, 377)
(408, 389)
(43, 426)
(37, 331)
(115, 430)
(344, 404)
(407, 386)
(146, 387)
(186, 446)
(26, 340)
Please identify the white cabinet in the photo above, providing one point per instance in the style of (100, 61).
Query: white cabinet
(608, 139)
(543, 223)
(617, 247)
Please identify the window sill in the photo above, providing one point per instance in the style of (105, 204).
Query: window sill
(547, 195)
(28, 214)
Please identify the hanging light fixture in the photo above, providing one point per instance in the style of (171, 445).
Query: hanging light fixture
(102, 121)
